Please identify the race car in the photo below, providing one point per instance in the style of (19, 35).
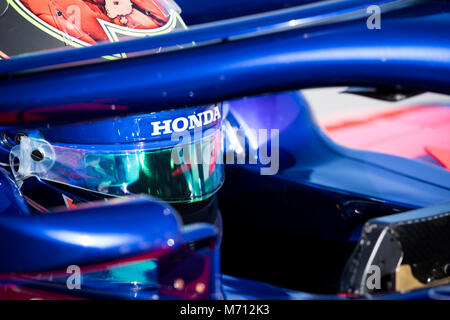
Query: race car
(189, 164)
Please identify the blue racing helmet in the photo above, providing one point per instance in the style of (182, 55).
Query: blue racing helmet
(175, 155)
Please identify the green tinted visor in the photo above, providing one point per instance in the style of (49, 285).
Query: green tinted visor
(186, 172)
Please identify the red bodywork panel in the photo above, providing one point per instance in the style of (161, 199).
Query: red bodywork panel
(420, 132)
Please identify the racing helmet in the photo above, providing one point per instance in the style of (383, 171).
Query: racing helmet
(29, 26)
(174, 155)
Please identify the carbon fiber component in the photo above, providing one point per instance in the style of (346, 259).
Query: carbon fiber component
(417, 241)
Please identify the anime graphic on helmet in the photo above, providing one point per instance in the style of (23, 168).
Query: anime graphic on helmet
(86, 22)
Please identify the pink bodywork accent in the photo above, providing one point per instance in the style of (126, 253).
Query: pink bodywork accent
(412, 132)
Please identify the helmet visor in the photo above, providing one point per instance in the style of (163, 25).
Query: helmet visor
(189, 171)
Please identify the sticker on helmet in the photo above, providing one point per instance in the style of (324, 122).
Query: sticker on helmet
(181, 124)
(87, 22)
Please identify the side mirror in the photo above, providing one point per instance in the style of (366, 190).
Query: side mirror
(134, 248)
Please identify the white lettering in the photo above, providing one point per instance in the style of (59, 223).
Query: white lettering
(182, 123)
(177, 128)
(157, 127)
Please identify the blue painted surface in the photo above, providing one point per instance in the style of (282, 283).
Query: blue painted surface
(197, 11)
(316, 160)
(421, 214)
(242, 289)
(132, 129)
(222, 30)
(281, 59)
(86, 236)
(320, 184)
(12, 201)
(339, 54)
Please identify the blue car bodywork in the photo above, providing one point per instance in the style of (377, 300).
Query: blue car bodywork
(337, 190)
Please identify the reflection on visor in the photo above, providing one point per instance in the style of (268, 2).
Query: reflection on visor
(189, 172)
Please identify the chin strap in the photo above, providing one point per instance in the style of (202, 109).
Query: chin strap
(32, 157)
